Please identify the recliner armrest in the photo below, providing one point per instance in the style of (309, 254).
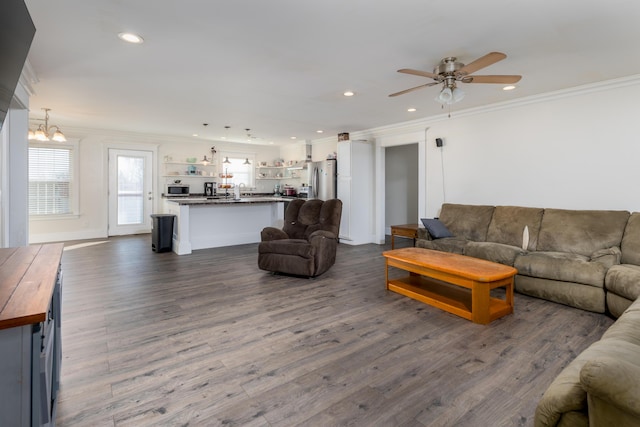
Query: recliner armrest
(323, 234)
(272, 233)
(614, 382)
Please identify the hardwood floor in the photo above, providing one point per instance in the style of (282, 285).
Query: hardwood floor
(207, 339)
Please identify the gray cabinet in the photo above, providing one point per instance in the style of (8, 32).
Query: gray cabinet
(30, 339)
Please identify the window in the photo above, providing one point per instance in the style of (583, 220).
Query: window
(51, 180)
(242, 173)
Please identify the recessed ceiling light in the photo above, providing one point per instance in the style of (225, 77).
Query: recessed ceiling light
(294, 137)
(510, 87)
(131, 38)
(319, 131)
(411, 110)
(349, 93)
(195, 134)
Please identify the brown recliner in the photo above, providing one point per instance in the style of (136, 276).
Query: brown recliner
(306, 246)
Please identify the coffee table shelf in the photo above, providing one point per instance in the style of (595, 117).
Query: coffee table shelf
(445, 296)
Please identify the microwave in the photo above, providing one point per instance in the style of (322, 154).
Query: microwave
(177, 190)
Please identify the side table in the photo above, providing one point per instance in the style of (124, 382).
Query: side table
(405, 230)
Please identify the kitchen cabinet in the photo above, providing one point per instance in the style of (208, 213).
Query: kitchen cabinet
(30, 339)
(355, 190)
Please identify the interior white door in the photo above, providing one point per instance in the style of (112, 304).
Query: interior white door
(130, 191)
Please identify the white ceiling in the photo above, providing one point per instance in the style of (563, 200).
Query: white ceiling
(279, 67)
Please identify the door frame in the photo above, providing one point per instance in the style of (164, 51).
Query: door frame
(153, 148)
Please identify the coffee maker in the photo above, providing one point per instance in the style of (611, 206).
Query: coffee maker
(209, 188)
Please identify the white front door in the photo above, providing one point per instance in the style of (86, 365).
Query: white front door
(130, 191)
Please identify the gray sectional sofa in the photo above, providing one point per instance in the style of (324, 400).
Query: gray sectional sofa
(588, 259)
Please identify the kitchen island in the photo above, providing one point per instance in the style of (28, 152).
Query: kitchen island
(214, 222)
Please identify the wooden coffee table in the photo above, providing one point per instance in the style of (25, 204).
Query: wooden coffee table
(458, 284)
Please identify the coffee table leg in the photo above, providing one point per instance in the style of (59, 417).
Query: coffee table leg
(480, 300)
(386, 272)
(509, 293)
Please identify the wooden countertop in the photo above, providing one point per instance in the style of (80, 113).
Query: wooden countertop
(27, 279)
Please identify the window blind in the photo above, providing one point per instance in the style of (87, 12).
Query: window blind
(50, 178)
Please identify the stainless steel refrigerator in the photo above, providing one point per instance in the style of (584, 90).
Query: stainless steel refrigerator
(321, 177)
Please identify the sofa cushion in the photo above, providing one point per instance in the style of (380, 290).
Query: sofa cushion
(467, 221)
(624, 280)
(436, 229)
(508, 222)
(495, 252)
(590, 298)
(448, 244)
(580, 232)
(563, 266)
(631, 241)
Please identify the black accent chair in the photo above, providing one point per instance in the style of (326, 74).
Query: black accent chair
(307, 244)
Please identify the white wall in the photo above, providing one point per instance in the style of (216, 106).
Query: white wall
(575, 151)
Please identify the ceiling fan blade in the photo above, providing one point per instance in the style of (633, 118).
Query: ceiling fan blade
(402, 92)
(492, 79)
(418, 73)
(485, 61)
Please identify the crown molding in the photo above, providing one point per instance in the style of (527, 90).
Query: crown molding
(418, 125)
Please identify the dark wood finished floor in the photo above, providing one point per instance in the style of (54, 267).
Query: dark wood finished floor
(207, 339)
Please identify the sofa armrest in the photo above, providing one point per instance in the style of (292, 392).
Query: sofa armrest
(607, 256)
(272, 233)
(423, 234)
(613, 387)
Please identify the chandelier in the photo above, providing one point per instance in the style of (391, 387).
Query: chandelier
(44, 131)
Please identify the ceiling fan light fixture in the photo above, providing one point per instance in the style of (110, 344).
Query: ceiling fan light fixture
(458, 94)
(445, 96)
(509, 87)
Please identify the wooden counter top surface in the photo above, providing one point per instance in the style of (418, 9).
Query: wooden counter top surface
(27, 279)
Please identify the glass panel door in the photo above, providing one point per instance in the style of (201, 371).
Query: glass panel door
(130, 191)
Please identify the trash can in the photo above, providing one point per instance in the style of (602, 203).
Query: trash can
(162, 232)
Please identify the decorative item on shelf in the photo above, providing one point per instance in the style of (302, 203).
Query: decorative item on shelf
(191, 170)
(344, 136)
(192, 159)
(263, 164)
(43, 133)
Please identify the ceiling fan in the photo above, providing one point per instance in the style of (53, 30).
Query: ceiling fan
(449, 71)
